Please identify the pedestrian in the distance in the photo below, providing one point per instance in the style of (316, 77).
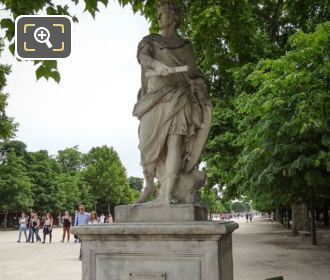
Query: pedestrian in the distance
(250, 216)
(29, 226)
(67, 220)
(48, 227)
(23, 220)
(36, 228)
(247, 217)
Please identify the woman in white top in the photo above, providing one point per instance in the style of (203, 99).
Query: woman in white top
(23, 220)
(93, 218)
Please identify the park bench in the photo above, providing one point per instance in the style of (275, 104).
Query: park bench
(276, 278)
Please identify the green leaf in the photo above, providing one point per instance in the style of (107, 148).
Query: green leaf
(42, 71)
(7, 23)
(51, 64)
(56, 76)
(12, 48)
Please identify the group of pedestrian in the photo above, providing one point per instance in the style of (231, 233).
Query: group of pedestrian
(248, 216)
(30, 226)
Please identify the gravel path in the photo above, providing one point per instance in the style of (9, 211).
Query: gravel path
(261, 250)
(37, 261)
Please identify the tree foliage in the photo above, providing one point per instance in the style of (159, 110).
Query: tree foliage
(44, 183)
(106, 177)
(15, 184)
(266, 66)
(135, 183)
(7, 126)
(286, 122)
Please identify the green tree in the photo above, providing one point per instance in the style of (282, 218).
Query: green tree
(240, 206)
(15, 184)
(286, 121)
(42, 170)
(7, 126)
(72, 188)
(107, 178)
(135, 183)
(70, 160)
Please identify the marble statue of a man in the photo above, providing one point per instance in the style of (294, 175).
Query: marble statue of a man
(174, 112)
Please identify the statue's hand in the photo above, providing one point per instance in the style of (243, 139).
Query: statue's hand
(161, 68)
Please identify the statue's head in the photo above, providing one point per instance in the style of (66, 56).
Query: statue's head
(172, 12)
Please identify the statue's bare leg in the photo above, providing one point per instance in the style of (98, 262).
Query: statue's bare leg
(149, 176)
(173, 165)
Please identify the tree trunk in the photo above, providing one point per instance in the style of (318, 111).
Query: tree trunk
(300, 218)
(289, 216)
(5, 224)
(109, 211)
(294, 228)
(274, 20)
(95, 203)
(277, 215)
(313, 226)
(325, 211)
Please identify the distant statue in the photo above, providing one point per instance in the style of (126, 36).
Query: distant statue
(174, 112)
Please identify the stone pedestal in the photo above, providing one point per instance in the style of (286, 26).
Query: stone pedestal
(160, 213)
(195, 250)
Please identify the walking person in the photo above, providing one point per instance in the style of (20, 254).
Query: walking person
(37, 228)
(67, 221)
(247, 217)
(250, 217)
(29, 226)
(23, 221)
(48, 227)
(81, 218)
(35, 224)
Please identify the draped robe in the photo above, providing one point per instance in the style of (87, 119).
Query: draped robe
(169, 104)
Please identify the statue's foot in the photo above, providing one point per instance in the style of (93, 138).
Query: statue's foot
(146, 193)
(170, 200)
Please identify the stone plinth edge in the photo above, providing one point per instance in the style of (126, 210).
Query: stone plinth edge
(186, 229)
(160, 213)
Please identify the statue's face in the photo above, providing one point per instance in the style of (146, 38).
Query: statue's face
(165, 17)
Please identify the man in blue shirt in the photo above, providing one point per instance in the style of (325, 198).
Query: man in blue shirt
(81, 218)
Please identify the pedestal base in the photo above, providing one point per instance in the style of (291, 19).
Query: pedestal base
(154, 251)
(160, 213)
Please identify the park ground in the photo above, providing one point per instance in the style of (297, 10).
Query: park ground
(261, 250)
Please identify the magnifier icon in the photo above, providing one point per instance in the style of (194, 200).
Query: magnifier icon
(41, 35)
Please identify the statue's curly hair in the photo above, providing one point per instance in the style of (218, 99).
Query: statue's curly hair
(173, 7)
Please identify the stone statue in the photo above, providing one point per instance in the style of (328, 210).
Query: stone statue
(174, 112)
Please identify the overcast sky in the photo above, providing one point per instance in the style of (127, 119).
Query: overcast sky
(92, 105)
